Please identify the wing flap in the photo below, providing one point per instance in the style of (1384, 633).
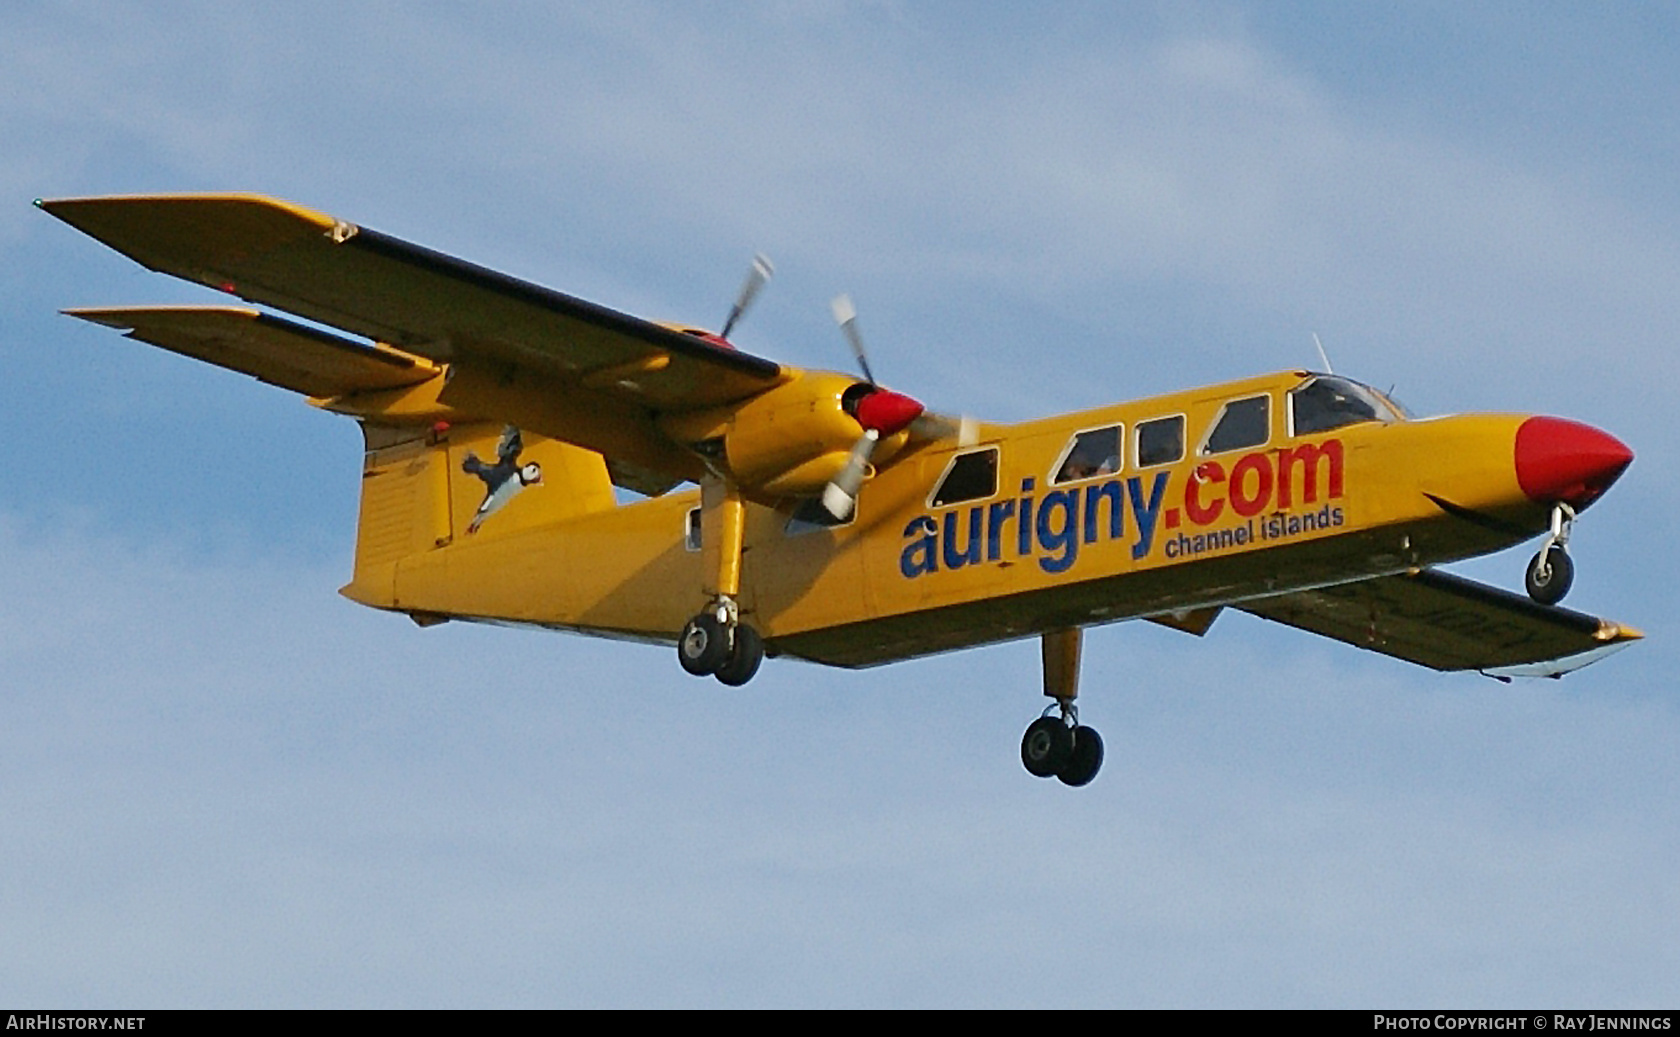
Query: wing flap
(420, 301)
(1447, 622)
(269, 348)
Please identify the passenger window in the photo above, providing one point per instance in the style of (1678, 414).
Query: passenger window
(1160, 441)
(1243, 423)
(971, 476)
(1328, 402)
(691, 530)
(1091, 454)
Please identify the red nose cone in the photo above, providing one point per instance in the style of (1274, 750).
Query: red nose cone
(1567, 461)
(887, 412)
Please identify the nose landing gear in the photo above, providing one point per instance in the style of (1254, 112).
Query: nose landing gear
(1551, 572)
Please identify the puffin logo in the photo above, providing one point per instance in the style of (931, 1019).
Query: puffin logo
(502, 480)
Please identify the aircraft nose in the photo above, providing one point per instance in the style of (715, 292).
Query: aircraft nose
(1567, 461)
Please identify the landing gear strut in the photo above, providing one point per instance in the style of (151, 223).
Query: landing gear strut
(1551, 572)
(1060, 745)
(716, 643)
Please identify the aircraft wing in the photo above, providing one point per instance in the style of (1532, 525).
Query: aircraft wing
(424, 302)
(269, 348)
(1447, 622)
(606, 374)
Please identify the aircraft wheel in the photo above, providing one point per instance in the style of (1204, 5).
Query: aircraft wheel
(1047, 747)
(1086, 758)
(703, 646)
(744, 657)
(1549, 575)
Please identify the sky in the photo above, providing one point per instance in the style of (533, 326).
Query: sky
(224, 785)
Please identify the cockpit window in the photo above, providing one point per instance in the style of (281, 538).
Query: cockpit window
(1330, 402)
(1243, 423)
(1090, 454)
(1406, 413)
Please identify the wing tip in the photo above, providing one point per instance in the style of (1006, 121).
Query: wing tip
(128, 317)
(66, 208)
(1555, 668)
(1611, 632)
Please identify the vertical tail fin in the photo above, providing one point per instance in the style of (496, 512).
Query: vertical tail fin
(426, 489)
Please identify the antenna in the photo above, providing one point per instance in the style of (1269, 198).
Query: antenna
(1322, 355)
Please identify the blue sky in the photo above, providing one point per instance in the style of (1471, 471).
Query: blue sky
(226, 785)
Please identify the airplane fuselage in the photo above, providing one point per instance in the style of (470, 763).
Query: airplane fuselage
(1038, 545)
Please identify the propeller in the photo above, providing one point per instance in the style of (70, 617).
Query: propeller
(845, 315)
(839, 497)
(881, 412)
(760, 273)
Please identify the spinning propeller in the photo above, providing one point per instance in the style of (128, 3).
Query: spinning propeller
(880, 411)
(760, 273)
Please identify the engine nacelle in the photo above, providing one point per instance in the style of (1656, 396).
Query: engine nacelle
(788, 442)
(793, 439)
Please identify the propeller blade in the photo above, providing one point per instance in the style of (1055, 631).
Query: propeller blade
(840, 496)
(882, 413)
(935, 426)
(845, 315)
(931, 426)
(761, 272)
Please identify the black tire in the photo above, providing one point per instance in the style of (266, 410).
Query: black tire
(1086, 759)
(1549, 575)
(744, 657)
(703, 646)
(1046, 747)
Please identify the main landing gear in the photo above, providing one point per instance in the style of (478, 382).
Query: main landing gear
(716, 643)
(1551, 572)
(1060, 746)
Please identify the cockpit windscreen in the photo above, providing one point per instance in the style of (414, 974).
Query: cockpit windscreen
(1330, 402)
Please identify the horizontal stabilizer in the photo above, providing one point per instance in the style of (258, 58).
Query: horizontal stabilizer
(1447, 622)
(269, 348)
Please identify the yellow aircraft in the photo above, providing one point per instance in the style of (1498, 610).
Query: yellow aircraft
(833, 520)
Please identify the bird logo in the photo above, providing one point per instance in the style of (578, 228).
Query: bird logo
(502, 480)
